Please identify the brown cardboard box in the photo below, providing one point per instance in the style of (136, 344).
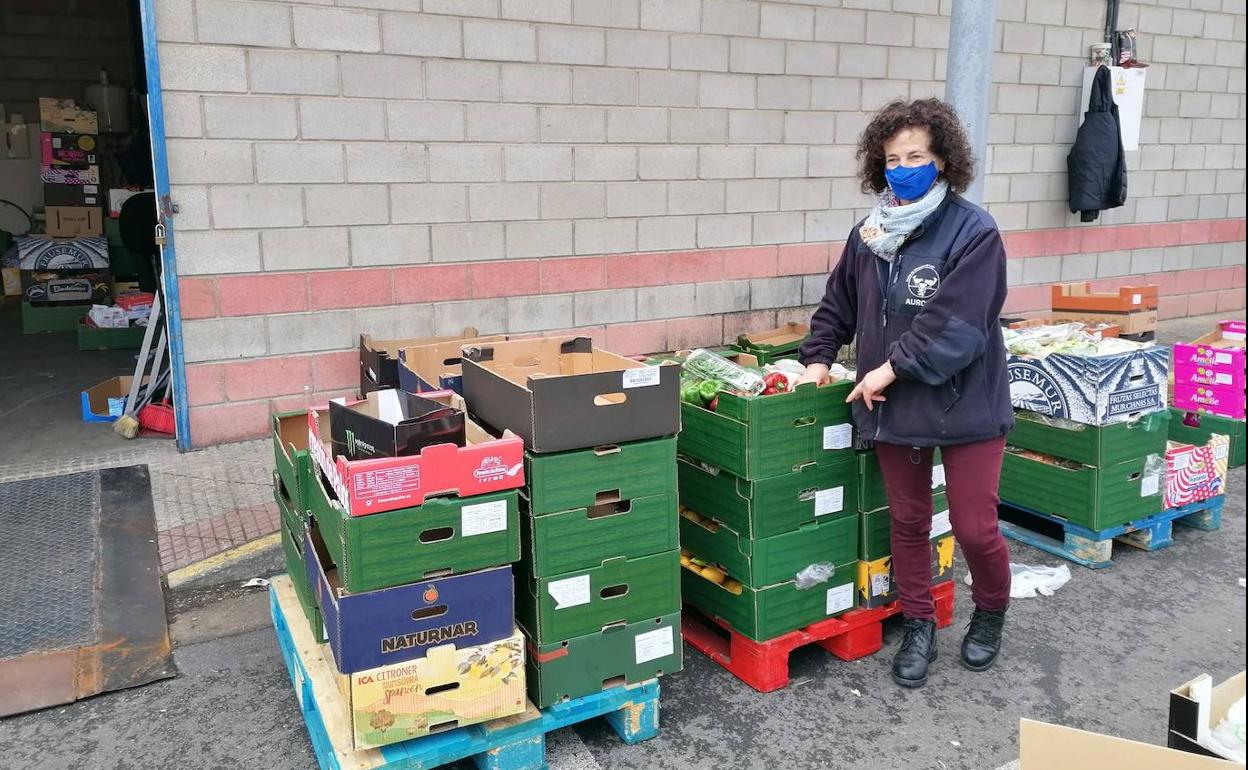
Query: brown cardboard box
(64, 116)
(74, 221)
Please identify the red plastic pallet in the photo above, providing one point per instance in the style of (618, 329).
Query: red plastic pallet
(765, 665)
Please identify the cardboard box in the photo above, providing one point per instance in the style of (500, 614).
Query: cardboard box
(1217, 357)
(1098, 446)
(875, 532)
(64, 116)
(445, 536)
(1137, 322)
(74, 221)
(117, 198)
(379, 359)
(450, 687)
(12, 279)
(1192, 427)
(296, 567)
(765, 613)
(391, 423)
(1096, 390)
(1093, 498)
(561, 394)
(621, 590)
(66, 287)
(770, 506)
(59, 175)
(68, 150)
(72, 195)
(1196, 708)
(483, 465)
(771, 560)
(1214, 399)
(392, 625)
(294, 517)
(106, 401)
(1195, 473)
(584, 478)
(1043, 746)
(291, 458)
(874, 581)
(582, 538)
(1079, 297)
(436, 366)
(1097, 329)
(613, 657)
(772, 345)
(35, 252)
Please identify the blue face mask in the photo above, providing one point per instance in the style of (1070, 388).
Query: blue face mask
(909, 183)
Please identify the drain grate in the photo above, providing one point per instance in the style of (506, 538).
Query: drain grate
(49, 535)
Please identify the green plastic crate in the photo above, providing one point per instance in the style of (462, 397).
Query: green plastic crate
(872, 495)
(769, 506)
(391, 548)
(772, 560)
(876, 528)
(765, 613)
(615, 656)
(555, 543)
(1098, 446)
(37, 319)
(1196, 428)
(1095, 498)
(619, 591)
(292, 549)
(92, 338)
(755, 438)
(585, 477)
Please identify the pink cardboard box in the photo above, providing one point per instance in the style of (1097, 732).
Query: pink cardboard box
(1221, 351)
(1213, 399)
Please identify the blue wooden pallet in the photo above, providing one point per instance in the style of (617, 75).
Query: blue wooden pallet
(1094, 548)
(513, 743)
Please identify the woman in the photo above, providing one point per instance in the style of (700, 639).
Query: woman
(921, 282)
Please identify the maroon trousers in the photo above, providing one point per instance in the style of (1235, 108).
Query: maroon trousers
(972, 473)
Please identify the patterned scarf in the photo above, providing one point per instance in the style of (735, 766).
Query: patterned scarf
(889, 224)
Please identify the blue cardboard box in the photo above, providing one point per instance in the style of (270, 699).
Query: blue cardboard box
(393, 625)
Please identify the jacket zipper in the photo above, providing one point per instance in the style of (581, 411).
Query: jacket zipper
(888, 286)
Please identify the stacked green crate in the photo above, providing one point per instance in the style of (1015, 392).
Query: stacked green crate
(597, 587)
(769, 527)
(1094, 476)
(874, 579)
(293, 477)
(1196, 428)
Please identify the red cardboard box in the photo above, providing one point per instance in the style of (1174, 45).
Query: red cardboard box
(486, 464)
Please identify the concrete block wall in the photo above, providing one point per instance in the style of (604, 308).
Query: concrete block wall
(655, 173)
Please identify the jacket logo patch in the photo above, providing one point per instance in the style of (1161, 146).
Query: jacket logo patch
(922, 283)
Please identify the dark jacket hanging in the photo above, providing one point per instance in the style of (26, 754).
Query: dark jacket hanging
(1097, 165)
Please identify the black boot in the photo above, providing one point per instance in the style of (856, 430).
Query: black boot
(917, 651)
(983, 639)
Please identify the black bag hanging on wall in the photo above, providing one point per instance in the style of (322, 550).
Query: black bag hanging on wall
(1097, 164)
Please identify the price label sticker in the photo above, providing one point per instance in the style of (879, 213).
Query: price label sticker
(483, 518)
(838, 436)
(829, 501)
(653, 645)
(569, 592)
(880, 584)
(1222, 358)
(839, 599)
(1183, 460)
(1137, 299)
(642, 377)
(1220, 451)
(1151, 485)
(1222, 378)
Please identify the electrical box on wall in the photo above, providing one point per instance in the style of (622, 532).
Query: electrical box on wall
(1127, 84)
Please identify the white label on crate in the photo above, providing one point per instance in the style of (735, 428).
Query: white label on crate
(941, 524)
(1182, 460)
(938, 476)
(642, 377)
(570, 592)
(1137, 299)
(653, 645)
(1222, 358)
(90, 189)
(483, 518)
(1222, 378)
(829, 501)
(1219, 452)
(1150, 485)
(880, 584)
(840, 598)
(838, 436)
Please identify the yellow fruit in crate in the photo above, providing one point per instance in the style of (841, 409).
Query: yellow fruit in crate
(714, 575)
(732, 586)
(684, 559)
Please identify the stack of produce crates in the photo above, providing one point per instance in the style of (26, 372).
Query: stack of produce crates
(769, 521)
(1091, 425)
(597, 586)
(401, 560)
(1208, 390)
(875, 584)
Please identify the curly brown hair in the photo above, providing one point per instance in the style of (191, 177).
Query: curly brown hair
(949, 142)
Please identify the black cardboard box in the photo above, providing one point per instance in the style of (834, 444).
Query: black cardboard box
(392, 423)
(1197, 707)
(71, 195)
(379, 359)
(562, 393)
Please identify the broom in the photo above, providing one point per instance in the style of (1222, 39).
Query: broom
(127, 425)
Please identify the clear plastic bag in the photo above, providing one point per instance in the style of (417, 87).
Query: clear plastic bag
(712, 366)
(1154, 477)
(1026, 581)
(813, 575)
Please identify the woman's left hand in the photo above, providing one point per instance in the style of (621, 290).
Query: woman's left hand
(871, 387)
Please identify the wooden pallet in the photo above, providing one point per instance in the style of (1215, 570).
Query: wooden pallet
(765, 665)
(1094, 548)
(513, 743)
